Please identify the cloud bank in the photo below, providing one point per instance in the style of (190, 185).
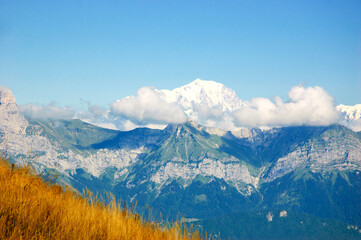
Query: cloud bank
(96, 115)
(355, 125)
(311, 106)
(205, 113)
(50, 111)
(148, 108)
(307, 106)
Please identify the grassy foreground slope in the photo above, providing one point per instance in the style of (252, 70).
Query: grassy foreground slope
(32, 209)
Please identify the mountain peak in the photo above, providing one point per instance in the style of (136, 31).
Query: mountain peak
(6, 97)
(204, 83)
(203, 93)
(207, 87)
(350, 112)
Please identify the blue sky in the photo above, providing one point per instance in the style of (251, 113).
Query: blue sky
(100, 51)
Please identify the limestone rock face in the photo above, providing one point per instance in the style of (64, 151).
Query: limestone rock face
(46, 153)
(6, 97)
(334, 150)
(11, 121)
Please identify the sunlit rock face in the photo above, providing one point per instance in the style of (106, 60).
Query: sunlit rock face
(333, 151)
(25, 142)
(6, 97)
(11, 121)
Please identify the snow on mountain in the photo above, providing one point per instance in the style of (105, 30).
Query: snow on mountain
(201, 92)
(350, 116)
(212, 104)
(350, 112)
(207, 102)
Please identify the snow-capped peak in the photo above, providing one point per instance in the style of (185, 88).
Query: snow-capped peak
(350, 112)
(201, 92)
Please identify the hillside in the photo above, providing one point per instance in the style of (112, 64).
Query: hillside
(32, 209)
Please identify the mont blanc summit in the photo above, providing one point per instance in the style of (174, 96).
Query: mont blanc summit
(205, 93)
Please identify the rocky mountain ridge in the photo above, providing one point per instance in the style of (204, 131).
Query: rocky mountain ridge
(180, 142)
(192, 170)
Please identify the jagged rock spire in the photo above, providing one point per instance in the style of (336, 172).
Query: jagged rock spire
(6, 97)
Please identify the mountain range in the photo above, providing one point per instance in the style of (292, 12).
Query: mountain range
(300, 177)
(213, 104)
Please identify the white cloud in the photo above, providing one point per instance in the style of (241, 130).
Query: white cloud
(205, 112)
(97, 110)
(148, 108)
(50, 111)
(355, 125)
(214, 116)
(127, 125)
(96, 115)
(306, 106)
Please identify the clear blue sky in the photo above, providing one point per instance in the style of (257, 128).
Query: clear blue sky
(100, 51)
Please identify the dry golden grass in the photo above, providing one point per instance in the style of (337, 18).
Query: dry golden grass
(32, 209)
